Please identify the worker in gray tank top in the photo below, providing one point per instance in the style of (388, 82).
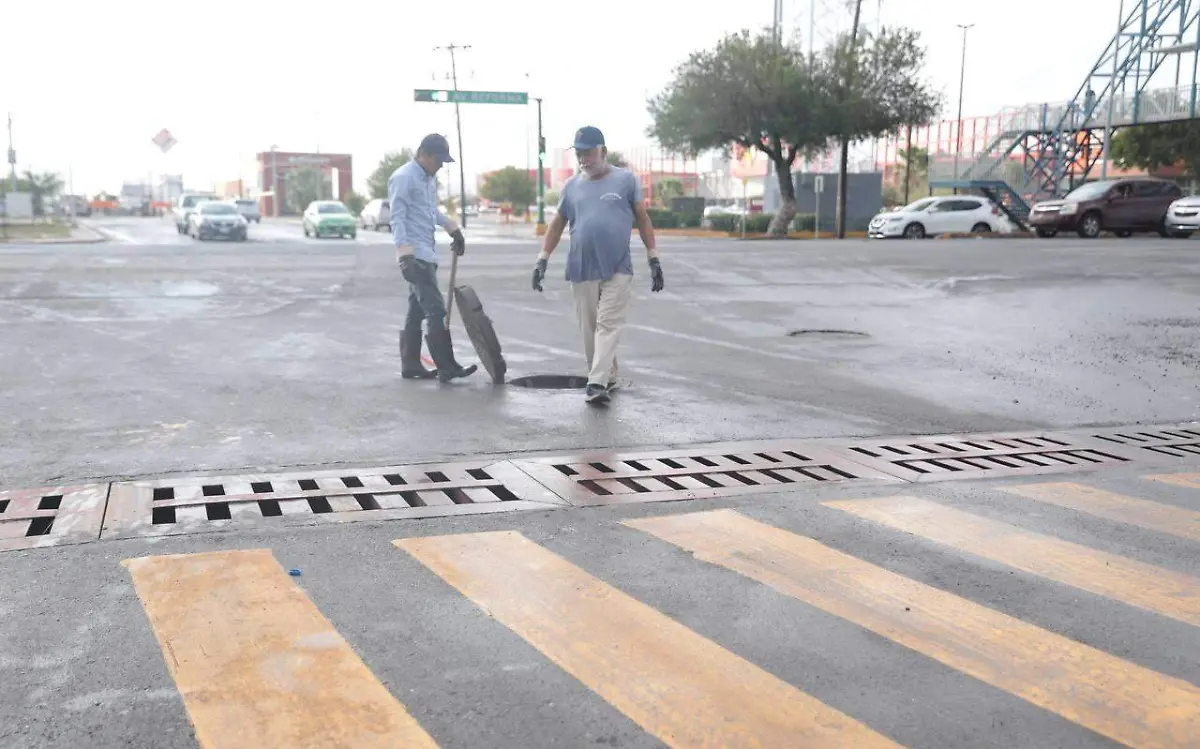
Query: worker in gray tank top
(601, 204)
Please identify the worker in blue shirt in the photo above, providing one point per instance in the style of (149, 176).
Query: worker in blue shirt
(412, 198)
(601, 205)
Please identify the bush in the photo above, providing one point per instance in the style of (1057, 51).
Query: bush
(805, 222)
(725, 222)
(663, 219)
(690, 220)
(757, 223)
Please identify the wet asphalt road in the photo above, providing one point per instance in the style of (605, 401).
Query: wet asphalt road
(152, 354)
(603, 627)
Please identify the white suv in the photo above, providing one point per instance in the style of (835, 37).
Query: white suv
(376, 214)
(951, 214)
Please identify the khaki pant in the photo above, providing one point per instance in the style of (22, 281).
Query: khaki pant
(601, 307)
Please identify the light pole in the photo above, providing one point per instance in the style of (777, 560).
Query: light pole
(540, 229)
(274, 181)
(961, 77)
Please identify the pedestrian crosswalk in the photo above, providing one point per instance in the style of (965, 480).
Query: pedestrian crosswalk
(258, 664)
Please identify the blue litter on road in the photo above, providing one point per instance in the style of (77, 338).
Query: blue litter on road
(294, 573)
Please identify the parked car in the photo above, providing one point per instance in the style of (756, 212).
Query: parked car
(1183, 217)
(217, 219)
(952, 214)
(376, 214)
(249, 209)
(186, 205)
(325, 218)
(1122, 206)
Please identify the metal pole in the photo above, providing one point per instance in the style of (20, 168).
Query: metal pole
(1112, 90)
(541, 183)
(12, 158)
(908, 155)
(844, 165)
(462, 173)
(275, 181)
(962, 72)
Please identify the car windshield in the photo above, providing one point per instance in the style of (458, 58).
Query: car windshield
(246, 203)
(216, 208)
(192, 200)
(1090, 191)
(920, 205)
(331, 208)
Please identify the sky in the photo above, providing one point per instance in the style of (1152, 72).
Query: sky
(230, 78)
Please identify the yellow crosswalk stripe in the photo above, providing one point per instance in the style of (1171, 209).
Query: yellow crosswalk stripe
(1156, 589)
(1186, 480)
(682, 688)
(1110, 696)
(255, 661)
(1154, 516)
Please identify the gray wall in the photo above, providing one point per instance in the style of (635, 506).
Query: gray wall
(864, 197)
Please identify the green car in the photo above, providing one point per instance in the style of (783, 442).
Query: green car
(327, 218)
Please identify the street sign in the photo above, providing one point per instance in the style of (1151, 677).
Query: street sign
(164, 140)
(442, 96)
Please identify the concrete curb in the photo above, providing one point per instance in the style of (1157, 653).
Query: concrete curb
(98, 237)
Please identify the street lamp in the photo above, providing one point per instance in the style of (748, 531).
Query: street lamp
(961, 76)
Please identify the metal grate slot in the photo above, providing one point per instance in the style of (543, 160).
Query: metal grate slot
(261, 487)
(49, 502)
(308, 485)
(40, 526)
(970, 456)
(706, 471)
(163, 493)
(1155, 444)
(217, 510)
(3, 505)
(352, 482)
(213, 490)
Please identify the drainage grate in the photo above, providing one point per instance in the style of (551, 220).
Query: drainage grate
(191, 505)
(972, 456)
(1153, 443)
(699, 472)
(51, 516)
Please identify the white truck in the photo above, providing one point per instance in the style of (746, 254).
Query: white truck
(186, 205)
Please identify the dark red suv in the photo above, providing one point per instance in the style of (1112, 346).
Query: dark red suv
(1122, 206)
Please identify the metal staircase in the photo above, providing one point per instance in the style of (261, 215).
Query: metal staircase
(1059, 144)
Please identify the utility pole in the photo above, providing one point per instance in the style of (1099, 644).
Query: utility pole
(462, 174)
(844, 166)
(962, 71)
(12, 156)
(541, 146)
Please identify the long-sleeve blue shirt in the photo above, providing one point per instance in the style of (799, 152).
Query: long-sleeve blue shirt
(412, 199)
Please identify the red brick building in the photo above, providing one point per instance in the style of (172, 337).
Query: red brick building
(275, 165)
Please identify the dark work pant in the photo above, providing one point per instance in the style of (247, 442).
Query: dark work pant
(425, 299)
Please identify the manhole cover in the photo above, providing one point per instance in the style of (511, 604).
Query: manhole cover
(820, 333)
(550, 382)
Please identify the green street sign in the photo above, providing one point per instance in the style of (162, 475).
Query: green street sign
(470, 97)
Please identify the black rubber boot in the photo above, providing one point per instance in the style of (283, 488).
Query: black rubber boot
(442, 351)
(411, 367)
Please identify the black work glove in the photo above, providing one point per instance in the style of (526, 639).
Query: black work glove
(408, 268)
(539, 274)
(656, 276)
(458, 243)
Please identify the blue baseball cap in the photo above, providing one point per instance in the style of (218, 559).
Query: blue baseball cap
(588, 137)
(437, 146)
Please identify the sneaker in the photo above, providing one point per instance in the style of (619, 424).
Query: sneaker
(596, 393)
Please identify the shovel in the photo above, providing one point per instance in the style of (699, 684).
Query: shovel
(450, 290)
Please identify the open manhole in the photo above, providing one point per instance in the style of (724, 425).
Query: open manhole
(550, 382)
(827, 333)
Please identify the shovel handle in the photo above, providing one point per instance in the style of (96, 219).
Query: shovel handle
(450, 291)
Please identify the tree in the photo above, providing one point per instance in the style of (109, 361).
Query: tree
(751, 91)
(377, 183)
(552, 197)
(871, 87)
(42, 187)
(1159, 145)
(354, 201)
(667, 189)
(616, 158)
(305, 185)
(916, 163)
(510, 185)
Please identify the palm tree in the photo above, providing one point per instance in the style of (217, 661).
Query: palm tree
(43, 186)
